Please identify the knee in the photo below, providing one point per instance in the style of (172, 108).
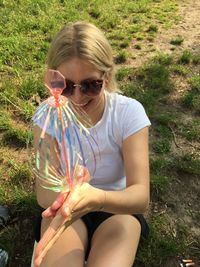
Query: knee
(120, 227)
(117, 234)
(126, 225)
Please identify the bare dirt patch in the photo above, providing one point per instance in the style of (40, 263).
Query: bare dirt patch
(188, 28)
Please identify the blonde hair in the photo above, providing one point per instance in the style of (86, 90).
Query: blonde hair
(85, 41)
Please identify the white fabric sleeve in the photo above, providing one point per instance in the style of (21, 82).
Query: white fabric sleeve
(40, 116)
(134, 118)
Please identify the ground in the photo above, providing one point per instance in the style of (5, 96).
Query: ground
(182, 202)
(188, 27)
(181, 205)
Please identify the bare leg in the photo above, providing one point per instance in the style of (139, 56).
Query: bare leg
(69, 249)
(115, 242)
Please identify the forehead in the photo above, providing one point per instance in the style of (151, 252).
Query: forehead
(77, 69)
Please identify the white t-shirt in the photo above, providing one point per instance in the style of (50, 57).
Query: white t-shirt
(122, 117)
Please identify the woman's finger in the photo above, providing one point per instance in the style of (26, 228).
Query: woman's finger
(48, 213)
(51, 211)
(60, 200)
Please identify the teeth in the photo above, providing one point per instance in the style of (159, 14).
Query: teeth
(80, 105)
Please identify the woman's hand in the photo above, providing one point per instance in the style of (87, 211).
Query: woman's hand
(82, 199)
(68, 207)
(81, 189)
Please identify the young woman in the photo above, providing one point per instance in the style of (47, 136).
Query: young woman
(107, 219)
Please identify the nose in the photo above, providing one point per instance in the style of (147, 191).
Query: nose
(77, 95)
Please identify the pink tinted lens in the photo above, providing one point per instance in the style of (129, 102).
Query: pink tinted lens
(55, 81)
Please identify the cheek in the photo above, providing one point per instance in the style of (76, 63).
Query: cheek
(98, 98)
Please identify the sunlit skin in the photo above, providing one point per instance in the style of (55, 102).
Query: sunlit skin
(78, 70)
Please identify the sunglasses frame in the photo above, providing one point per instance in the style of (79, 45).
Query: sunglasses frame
(86, 91)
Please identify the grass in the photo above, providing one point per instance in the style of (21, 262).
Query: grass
(31, 87)
(186, 57)
(180, 70)
(178, 40)
(26, 29)
(13, 134)
(162, 147)
(196, 59)
(159, 183)
(123, 73)
(190, 130)
(159, 243)
(189, 164)
(155, 76)
(162, 58)
(20, 172)
(138, 46)
(121, 57)
(191, 98)
(152, 28)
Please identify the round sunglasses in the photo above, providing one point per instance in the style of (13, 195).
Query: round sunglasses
(87, 87)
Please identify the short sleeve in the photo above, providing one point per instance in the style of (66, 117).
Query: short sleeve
(134, 118)
(45, 118)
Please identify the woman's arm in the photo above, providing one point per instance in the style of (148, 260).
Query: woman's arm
(45, 197)
(135, 198)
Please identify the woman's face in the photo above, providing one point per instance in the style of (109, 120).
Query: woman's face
(78, 70)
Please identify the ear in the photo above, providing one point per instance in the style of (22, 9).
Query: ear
(106, 81)
(107, 76)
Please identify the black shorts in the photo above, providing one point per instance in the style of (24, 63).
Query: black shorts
(92, 220)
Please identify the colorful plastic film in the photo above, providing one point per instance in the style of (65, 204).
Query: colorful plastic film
(62, 141)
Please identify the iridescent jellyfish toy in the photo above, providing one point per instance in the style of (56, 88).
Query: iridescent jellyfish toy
(62, 142)
(62, 149)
